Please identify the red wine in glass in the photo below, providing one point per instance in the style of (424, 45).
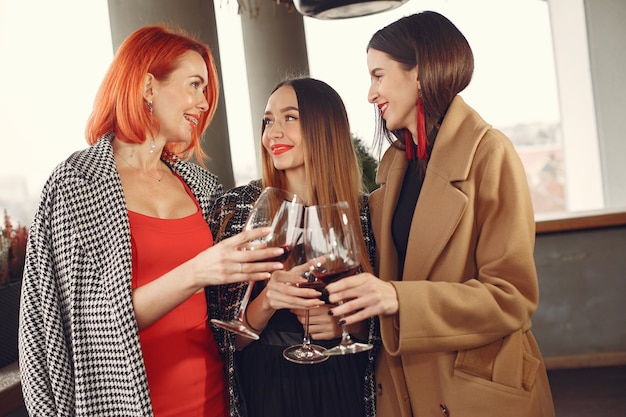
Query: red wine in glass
(331, 242)
(328, 277)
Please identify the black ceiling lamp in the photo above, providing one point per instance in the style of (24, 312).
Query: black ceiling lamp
(343, 9)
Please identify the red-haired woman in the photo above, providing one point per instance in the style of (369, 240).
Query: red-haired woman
(114, 311)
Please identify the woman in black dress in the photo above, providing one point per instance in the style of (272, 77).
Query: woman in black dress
(307, 149)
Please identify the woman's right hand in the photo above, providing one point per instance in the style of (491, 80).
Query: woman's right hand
(283, 290)
(227, 261)
(222, 263)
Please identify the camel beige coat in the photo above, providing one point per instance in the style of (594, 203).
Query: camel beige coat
(460, 345)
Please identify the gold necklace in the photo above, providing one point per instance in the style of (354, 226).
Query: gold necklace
(138, 169)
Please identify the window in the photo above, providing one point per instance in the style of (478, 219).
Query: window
(532, 80)
(52, 65)
(514, 85)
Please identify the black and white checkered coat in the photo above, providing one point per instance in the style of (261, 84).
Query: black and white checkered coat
(79, 348)
(232, 210)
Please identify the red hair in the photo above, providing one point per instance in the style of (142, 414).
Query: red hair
(119, 105)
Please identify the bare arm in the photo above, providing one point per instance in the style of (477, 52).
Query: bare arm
(222, 263)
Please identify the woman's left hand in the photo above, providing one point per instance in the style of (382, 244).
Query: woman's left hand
(364, 296)
(282, 290)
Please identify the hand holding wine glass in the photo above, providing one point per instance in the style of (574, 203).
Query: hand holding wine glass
(369, 297)
(282, 212)
(330, 243)
(306, 352)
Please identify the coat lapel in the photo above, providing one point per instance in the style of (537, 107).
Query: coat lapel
(435, 218)
(382, 206)
(434, 221)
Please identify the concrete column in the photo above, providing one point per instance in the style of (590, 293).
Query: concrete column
(198, 18)
(274, 47)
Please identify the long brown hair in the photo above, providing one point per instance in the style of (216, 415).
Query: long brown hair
(444, 59)
(330, 161)
(119, 105)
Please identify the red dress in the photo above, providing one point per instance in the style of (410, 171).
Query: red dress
(183, 366)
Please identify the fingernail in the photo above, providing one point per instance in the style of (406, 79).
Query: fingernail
(341, 322)
(330, 312)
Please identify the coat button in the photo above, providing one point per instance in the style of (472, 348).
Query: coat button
(379, 389)
(444, 410)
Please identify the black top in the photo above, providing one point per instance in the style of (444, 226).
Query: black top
(403, 216)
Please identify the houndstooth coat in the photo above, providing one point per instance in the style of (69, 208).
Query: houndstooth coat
(231, 212)
(79, 348)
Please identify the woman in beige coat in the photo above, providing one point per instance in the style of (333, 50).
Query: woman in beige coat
(454, 229)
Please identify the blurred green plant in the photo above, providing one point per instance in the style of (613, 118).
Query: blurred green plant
(368, 163)
(12, 250)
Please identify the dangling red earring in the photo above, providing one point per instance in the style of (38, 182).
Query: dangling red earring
(409, 147)
(421, 129)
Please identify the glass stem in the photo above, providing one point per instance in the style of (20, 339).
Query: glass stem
(345, 336)
(306, 341)
(244, 302)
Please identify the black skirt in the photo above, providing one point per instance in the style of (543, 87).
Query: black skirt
(274, 387)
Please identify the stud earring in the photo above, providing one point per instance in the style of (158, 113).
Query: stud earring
(152, 146)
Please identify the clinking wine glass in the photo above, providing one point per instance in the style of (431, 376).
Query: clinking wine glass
(333, 243)
(330, 242)
(282, 212)
(307, 352)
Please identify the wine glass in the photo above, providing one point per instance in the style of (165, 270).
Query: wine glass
(334, 248)
(282, 212)
(306, 352)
